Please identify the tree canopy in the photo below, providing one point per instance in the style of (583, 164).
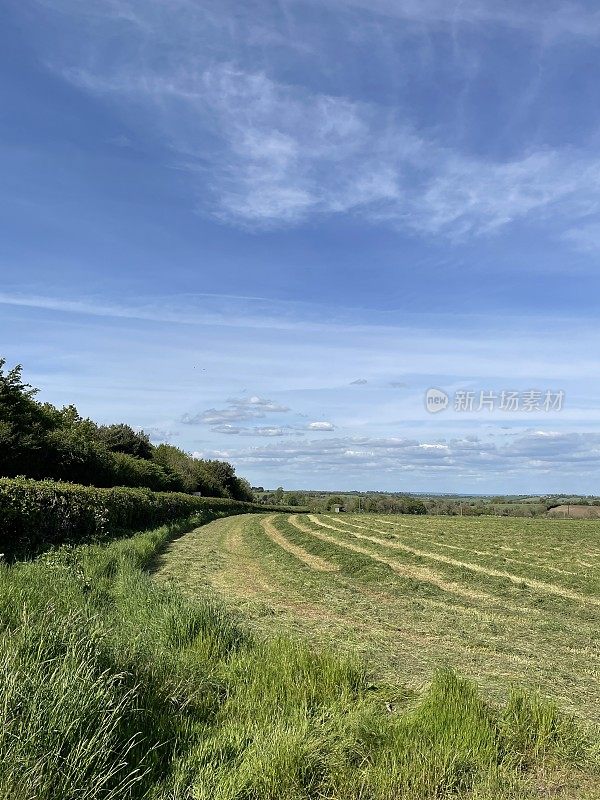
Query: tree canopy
(38, 440)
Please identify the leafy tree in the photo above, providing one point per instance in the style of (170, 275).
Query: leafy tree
(335, 500)
(243, 490)
(41, 441)
(23, 424)
(177, 461)
(222, 474)
(121, 438)
(411, 505)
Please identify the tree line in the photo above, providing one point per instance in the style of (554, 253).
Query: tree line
(38, 440)
(321, 502)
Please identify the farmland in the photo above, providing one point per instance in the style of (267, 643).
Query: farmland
(311, 658)
(504, 601)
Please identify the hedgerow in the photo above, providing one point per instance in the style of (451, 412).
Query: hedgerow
(35, 514)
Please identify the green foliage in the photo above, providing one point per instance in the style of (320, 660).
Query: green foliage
(209, 478)
(41, 441)
(221, 473)
(23, 422)
(34, 514)
(122, 438)
(175, 461)
(117, 689)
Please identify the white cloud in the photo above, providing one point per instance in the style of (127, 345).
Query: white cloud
(320, 426)
(265, 431)
(585, 237)
(256, 403)
(467, 457)
(550, 20)
(238, 409)
(158, 435)
(555, 20)
(216, 416)
(289, 155)
(273, 154)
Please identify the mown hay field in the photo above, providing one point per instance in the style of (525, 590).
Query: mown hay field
(503, 601)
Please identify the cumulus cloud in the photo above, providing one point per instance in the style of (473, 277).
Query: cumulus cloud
(158, 435)
(263, 430)
(467, 456)
(320, 426)
(255, 402)
(237, 410)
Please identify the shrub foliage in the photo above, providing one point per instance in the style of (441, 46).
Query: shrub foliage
(34, 514)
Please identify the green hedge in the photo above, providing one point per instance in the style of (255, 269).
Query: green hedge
(35, 514)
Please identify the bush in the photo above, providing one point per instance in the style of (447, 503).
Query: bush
(34, 514)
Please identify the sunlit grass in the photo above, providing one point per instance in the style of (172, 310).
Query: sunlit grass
(116, 687)
(409, 613)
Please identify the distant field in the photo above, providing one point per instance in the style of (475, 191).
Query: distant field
(575, 511)
(505, 601)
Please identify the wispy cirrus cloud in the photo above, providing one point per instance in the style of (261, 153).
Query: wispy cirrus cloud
(552, 20)
(286, 154)
(263, 153)
(585, 237)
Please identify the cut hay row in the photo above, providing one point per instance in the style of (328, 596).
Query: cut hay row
(418, 573)
(518, 610)
(541, 586)
(314, 562)
(464, 549)
(405, 614)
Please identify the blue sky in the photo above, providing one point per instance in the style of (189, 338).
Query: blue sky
(262, 230)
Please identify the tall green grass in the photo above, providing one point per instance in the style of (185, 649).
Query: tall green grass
(114, 688)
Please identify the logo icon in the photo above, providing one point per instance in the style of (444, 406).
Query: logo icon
(436, 400)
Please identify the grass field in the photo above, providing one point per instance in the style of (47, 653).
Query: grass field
(116, 686)
(504, 601)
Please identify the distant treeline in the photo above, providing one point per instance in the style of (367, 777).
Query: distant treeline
(436, 505)
(38, 440)
(352, 503)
